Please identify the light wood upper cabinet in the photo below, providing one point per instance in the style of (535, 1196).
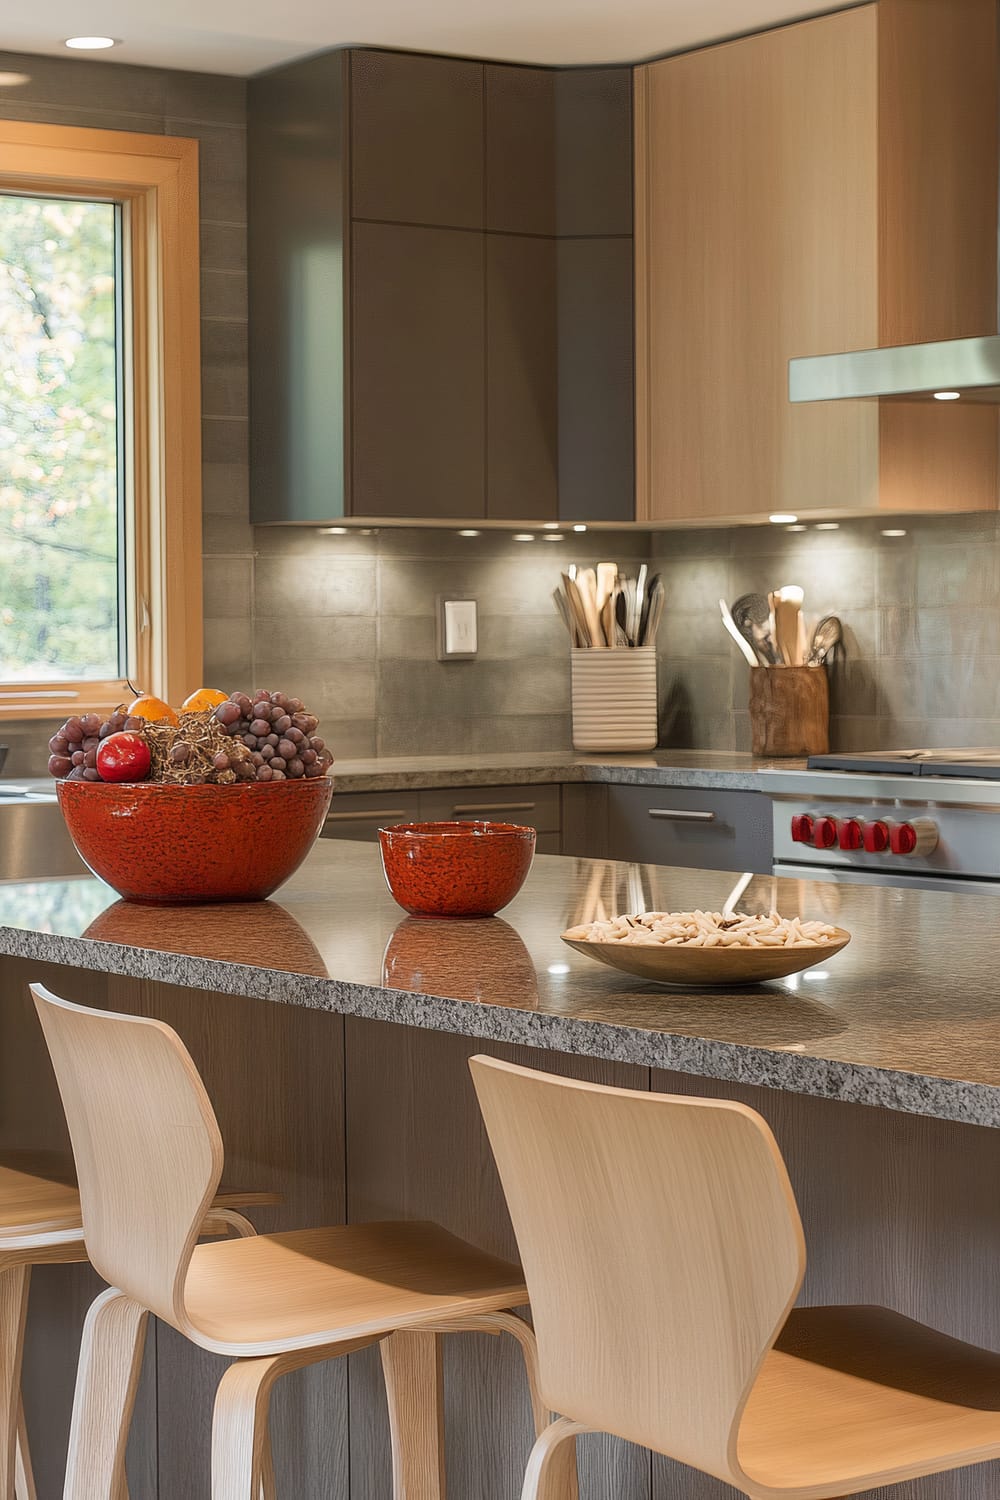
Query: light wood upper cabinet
(781, 183)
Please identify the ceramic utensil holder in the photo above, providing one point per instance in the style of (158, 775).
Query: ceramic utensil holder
(614, 699)
(789, 711)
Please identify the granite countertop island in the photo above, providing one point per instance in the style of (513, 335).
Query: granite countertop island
(907, 1017)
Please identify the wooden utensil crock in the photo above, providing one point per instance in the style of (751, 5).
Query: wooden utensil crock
(789, 710)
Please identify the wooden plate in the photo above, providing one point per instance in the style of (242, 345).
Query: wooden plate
(709, 968)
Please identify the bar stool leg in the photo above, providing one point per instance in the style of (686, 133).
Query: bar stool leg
(24, 1479)
(13, 1309)
(240, 1446)
(114, 1336)
(551, 1459)
(414, 1388)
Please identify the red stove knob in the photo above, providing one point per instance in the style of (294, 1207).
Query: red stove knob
(802, 829)
(850, 834)
(902, 838)
(826, 833)
(875, 838)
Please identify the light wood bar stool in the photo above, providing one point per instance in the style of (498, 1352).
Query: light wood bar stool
(149, 1158)
(663, 1253)
(41, 1224)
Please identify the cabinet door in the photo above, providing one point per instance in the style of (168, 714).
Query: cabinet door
(522, 479)
(521, 150)
(360, 815)
(594, 151)
(417, 372)
(706, 830)
(596, 392)
(534, 806)
(756, 240)
(417, 139)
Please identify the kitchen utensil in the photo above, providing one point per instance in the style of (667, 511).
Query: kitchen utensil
(172, 845)
(827, 636)
(656, 607)
(743, 646)
(566, 615)
(607, 578)
(455, 869)
(710, 968)
(640, 601)
(576, 607)
(621, 616)
(3, 755)
(644, 613)
(787, 606)
(751, 616)
(586, 583)
(608, 620)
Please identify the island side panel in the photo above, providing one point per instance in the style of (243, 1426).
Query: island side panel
(416, 1148)
(899, 1210)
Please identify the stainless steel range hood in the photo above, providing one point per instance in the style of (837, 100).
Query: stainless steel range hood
(968, 368)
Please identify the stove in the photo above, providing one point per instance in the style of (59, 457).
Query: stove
(894, 817)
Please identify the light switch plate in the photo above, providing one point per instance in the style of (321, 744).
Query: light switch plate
(457, 629)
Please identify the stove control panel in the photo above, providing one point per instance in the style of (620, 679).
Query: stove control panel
(918, 836)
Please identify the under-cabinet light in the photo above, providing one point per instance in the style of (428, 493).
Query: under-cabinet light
(90, 43)
(579, 527)
(947, 395)
(523, 536)
(782, 518)
(895, 531)
(827, 525)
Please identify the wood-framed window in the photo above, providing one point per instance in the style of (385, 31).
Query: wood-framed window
(150, 185)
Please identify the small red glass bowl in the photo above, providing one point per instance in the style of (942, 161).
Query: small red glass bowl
(455, 869)
(176, 845)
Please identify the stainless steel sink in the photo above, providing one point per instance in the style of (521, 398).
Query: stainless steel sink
(34, 842)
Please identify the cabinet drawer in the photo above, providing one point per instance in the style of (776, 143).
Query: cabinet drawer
(535, 806)
(709, 830)
(359, 815)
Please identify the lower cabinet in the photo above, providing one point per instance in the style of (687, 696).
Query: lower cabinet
(704, 829)
(359, 815)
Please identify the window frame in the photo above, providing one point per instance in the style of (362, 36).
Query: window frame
(155, 178)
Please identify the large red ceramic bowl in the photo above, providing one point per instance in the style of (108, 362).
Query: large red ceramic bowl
(180, 844)
(456, 869)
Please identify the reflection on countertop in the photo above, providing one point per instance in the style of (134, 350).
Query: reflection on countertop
(905, 1017)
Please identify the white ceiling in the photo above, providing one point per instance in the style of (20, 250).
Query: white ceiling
(244, 36)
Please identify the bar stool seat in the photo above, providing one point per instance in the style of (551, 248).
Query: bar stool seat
(324, 1286)
(852, 1398)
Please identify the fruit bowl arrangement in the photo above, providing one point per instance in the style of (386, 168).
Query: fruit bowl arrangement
(219, 801)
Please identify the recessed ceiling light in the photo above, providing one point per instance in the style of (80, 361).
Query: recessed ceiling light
(827, 525)
(90, 43)
(468, 532)
(578, 527)
(947, 395)
(782, 518)
(522, 536)
(894, 532)
(11, 80)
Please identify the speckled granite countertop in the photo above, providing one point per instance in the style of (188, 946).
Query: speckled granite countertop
(657, 768)
(907, 1017)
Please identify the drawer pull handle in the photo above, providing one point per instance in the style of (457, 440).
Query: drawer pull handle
(367, 817)
(478, 807)
(681, 815)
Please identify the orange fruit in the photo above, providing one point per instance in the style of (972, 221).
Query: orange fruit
(203, 698)
(153, 710)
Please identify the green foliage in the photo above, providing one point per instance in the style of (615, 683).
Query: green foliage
(59, 577)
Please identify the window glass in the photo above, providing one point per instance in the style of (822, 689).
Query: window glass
(61, 494)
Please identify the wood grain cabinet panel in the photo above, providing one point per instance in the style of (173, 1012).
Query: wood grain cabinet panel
(812, 190)
(416, 139)
(418, 366)
(522, 440)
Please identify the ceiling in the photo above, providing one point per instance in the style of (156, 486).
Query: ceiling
(244, 36)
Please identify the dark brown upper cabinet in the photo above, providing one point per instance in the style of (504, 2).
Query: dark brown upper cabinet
(416, 139)
(440, 307)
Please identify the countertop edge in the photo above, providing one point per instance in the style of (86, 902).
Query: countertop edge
(534, 775)
(948, 1099)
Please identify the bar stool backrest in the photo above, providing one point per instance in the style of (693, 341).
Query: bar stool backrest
(662, 1251)
(146, 1143)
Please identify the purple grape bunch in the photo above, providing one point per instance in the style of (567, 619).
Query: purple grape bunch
(73, 748)
(278, 731)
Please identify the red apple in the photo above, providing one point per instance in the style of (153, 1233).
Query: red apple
(123, 757)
